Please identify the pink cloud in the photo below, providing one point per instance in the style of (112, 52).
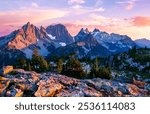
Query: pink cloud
(20, 17)
(133, 31)
(75, 28)
(141, 21)
(129, 6)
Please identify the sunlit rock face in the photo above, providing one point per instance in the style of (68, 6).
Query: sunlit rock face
(22, 83)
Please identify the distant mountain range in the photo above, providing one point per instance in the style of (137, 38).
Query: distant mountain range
(56, 40)
(143, 42)
(96, 44)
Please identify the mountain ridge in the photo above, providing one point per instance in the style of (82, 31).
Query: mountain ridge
(56, 40)
(143, 42)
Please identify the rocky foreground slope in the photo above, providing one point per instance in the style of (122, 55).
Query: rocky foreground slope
(22, 83)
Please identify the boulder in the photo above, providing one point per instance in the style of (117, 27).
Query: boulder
(134, 90)
(138, 83)
(6, 70)
(48, 88)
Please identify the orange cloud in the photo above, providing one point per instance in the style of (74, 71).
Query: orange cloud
(141, 21)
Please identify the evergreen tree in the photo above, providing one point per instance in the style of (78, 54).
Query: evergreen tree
(100, 72)
(38, 62)
(43, 65)
(104, 73)
(28, 67)
(35, 59)
(96, 64)
(132, 52)
(74, 69)
(35, 53)
(59, 65)
(22, 63)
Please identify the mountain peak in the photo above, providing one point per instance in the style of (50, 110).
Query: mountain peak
(25, 36)
(60, 32)
(28, 23)
(143, 42)
(27, 26)
(57, 25)
(42, 28)
(87, 30)
(96, 30)
(84, 31)
(142, 39)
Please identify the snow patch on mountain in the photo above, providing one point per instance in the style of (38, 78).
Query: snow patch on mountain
(113, 42)
(62, 44)
(85, 49)
(52, 37)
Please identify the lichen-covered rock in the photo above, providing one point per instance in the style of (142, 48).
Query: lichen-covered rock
(29, 84)
(134, 90)
(6, 69)
(139, 83)
(48, 88)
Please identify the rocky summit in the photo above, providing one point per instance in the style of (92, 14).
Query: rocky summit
(60, 33)
(21, 83)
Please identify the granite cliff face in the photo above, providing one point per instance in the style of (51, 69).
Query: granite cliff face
(60, 33)
(22, 83)
(24, 37)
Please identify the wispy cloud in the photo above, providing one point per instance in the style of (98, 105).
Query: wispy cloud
(34, 5)
(18, 18)
(136, 27)
(84, 13)
(76, 4)
(98, 3)
(72, 2)
(98, 6)
(129, 4)
(37, 15)
(100, 9)
(97, 19)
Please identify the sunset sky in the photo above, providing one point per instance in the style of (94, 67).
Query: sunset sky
(130, 17)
